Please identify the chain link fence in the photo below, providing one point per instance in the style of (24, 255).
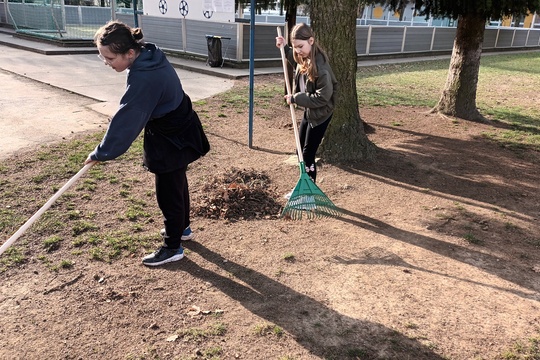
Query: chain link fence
(64, 20)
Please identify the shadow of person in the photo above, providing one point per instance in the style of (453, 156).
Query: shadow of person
(377, 255)
(321, 330)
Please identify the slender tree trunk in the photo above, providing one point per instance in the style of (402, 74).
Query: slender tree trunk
(459, 95)
(290, 14)
(290, 19)
(334, 24)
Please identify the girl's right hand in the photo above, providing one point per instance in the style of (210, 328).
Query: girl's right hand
(89, 160)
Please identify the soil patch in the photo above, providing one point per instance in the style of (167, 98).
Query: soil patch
(435, 256)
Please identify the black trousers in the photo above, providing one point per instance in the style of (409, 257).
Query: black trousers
(310, 139)
(172, 195)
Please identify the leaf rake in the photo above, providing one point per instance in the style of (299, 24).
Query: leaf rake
(306, 197)
(44, 208)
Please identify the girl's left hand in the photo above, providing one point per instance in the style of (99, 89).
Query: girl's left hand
(288, 99)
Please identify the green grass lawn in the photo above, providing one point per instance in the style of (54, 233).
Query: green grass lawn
(507, 91)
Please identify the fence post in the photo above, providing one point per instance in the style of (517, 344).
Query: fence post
(79, 13)
(184, 35)
(403, 40)
(368, 42)
(432, 38)
(239, 41)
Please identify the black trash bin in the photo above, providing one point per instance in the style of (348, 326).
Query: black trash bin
(215, 57)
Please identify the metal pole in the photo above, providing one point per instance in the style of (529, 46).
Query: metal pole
(113, 9)
(251, 71)
(135, 17)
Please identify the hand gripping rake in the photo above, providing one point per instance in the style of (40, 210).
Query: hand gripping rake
(306, 196)
(47, 205)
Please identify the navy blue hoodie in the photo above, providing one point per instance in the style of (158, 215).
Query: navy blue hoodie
(153, 90)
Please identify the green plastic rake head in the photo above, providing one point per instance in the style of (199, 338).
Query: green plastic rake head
(308, 200)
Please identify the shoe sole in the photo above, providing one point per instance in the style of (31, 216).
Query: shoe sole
(173, 258)
(191, 235)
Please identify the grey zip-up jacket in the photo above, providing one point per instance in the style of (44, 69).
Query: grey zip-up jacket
(320, 96)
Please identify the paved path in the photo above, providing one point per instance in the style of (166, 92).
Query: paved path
(35, 108)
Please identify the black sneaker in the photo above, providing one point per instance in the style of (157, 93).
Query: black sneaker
(162, 256)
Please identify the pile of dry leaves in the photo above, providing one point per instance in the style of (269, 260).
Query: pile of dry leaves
(238, 195)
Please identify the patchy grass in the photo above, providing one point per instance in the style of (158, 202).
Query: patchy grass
(504, 80)
(268, 329)
(197, 334)
(12, 256)
(523, 350)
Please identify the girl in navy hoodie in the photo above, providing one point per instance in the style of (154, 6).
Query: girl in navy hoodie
(173, 135)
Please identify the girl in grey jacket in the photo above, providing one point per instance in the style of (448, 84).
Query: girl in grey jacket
(314, 89)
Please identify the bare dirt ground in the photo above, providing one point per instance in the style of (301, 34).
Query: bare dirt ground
(436, 254)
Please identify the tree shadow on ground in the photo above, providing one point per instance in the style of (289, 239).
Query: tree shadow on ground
(498, 266)
(513, 122)
(475, 170)
(321, 330)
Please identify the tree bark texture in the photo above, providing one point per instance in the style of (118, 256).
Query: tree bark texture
(334, 24)
(459, 94)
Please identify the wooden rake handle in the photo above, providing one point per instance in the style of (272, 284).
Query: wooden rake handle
(291, 106)
(47, 205)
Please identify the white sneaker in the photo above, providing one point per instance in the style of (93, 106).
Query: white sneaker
(187, 234)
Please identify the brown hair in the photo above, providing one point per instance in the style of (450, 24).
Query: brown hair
(302, 31)
(119, 37)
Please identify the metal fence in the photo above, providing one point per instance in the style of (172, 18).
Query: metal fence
(53, 19)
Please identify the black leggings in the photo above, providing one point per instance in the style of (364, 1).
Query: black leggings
(310, 139)
(172, 195)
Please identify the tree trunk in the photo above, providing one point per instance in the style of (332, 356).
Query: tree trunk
(459, 95)
(334, 24)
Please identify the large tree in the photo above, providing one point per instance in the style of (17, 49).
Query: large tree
(334, 24)
(459, 94)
